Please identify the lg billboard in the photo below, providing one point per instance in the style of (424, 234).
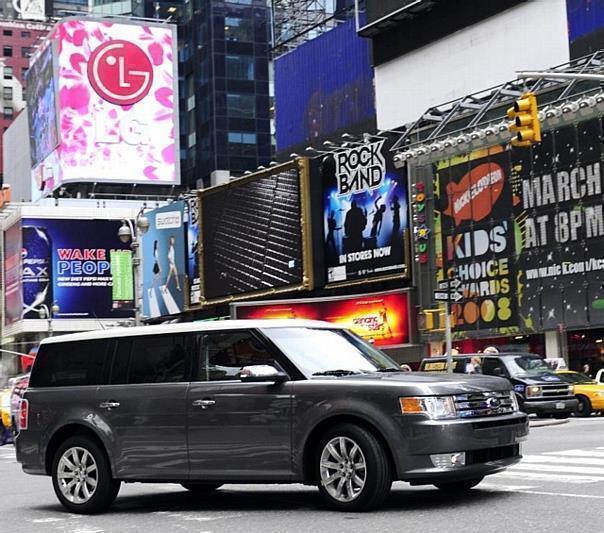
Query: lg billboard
(115, 102)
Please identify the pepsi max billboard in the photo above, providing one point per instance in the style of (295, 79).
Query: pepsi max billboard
(364, 213)
(68, 262)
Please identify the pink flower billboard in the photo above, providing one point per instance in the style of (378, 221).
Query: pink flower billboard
(118, 108)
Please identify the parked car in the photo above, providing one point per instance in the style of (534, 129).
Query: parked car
(588, 392)
(538, 389)
(273, 401)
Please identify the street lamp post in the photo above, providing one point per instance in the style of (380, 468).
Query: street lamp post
(46, 313)
(132, 233)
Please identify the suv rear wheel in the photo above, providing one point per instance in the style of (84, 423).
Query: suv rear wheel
(352, 469)
(81, 476)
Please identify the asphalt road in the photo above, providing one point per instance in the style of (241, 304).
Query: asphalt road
(559, 486)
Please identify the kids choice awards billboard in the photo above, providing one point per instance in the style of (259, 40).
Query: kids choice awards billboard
(382, 318)
(72, 263)
(117, 107)
(364, 213)
(523, 230)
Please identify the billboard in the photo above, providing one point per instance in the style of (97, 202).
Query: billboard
(524, 232)
(382, 317)
(117, 106)
(324, 86)
(163, 251)
(254, 234)
(13, 297)
(364, 214)
(473, 198)
(69, 262)
(41, 106)
(193, 251)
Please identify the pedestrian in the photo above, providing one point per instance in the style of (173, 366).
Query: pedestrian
(490, 350)
(587, 370)
(6, 436)
(405, 368)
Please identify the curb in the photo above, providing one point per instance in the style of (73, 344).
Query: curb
(539, 423)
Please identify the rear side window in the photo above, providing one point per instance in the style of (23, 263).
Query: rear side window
(158, 359)
(67, 364)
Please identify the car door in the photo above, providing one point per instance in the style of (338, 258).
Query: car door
(237, 430)
(143, 408)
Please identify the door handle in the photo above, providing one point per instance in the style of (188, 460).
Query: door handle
(109, 405)
(204, 404)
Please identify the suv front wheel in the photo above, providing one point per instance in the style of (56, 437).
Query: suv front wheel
(81, 476)
(352, 469)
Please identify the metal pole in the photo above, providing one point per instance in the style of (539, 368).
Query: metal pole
(560, 75)
(448, 339)
(136, 262)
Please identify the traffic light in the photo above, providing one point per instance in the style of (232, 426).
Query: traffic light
(525, 121)
(432, 320)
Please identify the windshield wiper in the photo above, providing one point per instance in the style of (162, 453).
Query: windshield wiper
(390, 369)
(337, 372)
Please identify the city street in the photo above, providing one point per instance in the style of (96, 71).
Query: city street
(559, 486)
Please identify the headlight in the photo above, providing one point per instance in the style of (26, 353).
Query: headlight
(533, 391)
(514, 401)
(436, 407)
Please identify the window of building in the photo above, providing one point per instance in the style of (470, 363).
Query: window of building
(157, 359)
(7, 73)
(7, 51)
(8, 112)
(26, 34)
(240, 67)
(241, 143)
(7, 93)
(241, 105)
(7, 33)
(223, 355)
(70, 364)
(238, 29)
(25, 51)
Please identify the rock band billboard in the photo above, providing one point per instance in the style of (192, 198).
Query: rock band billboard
(523, 230)
(364, 213)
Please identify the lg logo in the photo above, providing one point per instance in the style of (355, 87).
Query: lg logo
(120, 72)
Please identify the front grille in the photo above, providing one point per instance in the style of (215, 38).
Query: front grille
(475, 404)
(487, 424)
(551, 391)
(492, 454)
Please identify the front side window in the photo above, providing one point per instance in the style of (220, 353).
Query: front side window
(527, 365)
(329, 351)
(65, 364)
(224, 354)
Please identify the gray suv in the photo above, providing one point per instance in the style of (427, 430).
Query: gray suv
(203, 404)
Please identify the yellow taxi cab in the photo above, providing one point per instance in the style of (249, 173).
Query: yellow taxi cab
(5, 415)
(590, 393)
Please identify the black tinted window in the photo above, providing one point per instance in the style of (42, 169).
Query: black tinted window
(157, 359)
(121, 361)
(223, 355)
(69, 364)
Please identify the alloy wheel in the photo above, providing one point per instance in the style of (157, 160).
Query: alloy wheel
(343, 469)
(77, 475)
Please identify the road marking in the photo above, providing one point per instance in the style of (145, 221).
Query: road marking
(590, 471)
(565, 494)
(561, 478)
(577, 453)
(558, 459)
(47, 520)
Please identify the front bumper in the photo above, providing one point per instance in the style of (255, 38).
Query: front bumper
(550, 407)
(490, 444)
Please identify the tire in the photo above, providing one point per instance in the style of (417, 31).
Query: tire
(81, 459)
(583, 408)
(459, 486)
(352, 469)
(201, 488)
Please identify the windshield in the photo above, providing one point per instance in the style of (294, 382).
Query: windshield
(576, 377)
(527, 365)
(329, 352)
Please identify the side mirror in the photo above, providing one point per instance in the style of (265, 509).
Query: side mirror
(262, 373)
